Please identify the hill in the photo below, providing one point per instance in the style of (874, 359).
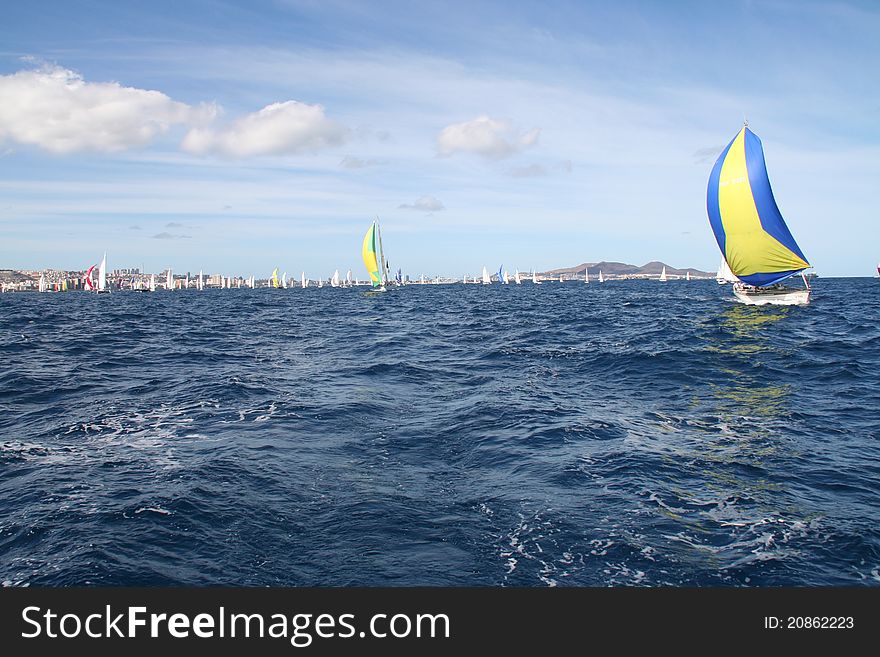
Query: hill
(624, 270)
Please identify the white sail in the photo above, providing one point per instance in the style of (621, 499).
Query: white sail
(516, 277)
(506, 278)
(687, 276)
(601, 278)
(725, 275)
(284, 280)
(587, 275)
(102, 274)
(169, 280)
(486, 279)
(201, 285)
(42, 282)
(663, 275)
(535, 277)
(303, 281)
(348, 279)
(320, 281)
(334, 282)
(186, 282)
(152, 282)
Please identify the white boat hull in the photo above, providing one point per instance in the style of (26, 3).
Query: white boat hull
(771, 296)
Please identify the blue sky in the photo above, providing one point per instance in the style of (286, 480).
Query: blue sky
(236, 137)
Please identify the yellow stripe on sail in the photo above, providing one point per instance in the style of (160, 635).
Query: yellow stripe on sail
(749, 248)
(368, 252)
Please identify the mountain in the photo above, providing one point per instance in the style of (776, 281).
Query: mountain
(622, 269)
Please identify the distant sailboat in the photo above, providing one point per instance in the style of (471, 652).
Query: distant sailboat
(516, 278)
(724, 274)
(601, 278)
(399, 276)
(687, 276)
(374, 257)
(89, 283)
(274, 278)
(663, 275)
(486, 279)
(303, 281)
(348, 279)
(201, 283)
(749, 227)
(506, 278)
(186, 282)
(152, 282)
(169, 280)
(535, 278)
(284, 280)
(334, 281)
(422, 279)
(587, 275)
(102, 276)
(43, 287)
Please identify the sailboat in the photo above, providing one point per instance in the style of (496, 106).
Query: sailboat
(749, 227)
(89, 283)
(399, 277)
(169, 280)
(274, 278)
(422, 279)
(587, 275)
(486, 279)
(687, 276)
(348, 279)
(152, 282)
(374, 257)
(516, 278)
(663, 275)
(102, 276)
(535, 277)
(334, 281)
(303, 281)
(506, 278)
(284, 280)
(201, 285)
(601, 278)
(724, 274)
(186, 282)
(43, 287)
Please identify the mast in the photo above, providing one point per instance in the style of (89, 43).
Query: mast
(381, 253)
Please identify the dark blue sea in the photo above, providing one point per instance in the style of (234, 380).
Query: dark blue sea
(631, 433)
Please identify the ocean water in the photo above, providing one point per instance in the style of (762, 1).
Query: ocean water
(631, 433)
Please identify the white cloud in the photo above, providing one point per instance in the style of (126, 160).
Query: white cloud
(349, 162)
(530, 171)
(484, 136)
(424, 204)
(277, 129)
(57, 110)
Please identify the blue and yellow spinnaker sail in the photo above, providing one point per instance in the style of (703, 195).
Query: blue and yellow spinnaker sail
(370, 254)
(748, 226)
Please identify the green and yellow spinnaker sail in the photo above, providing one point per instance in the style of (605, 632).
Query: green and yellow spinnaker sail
(370, 253)
(743, 214)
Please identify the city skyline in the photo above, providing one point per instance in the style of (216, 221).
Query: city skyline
(239, 137)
